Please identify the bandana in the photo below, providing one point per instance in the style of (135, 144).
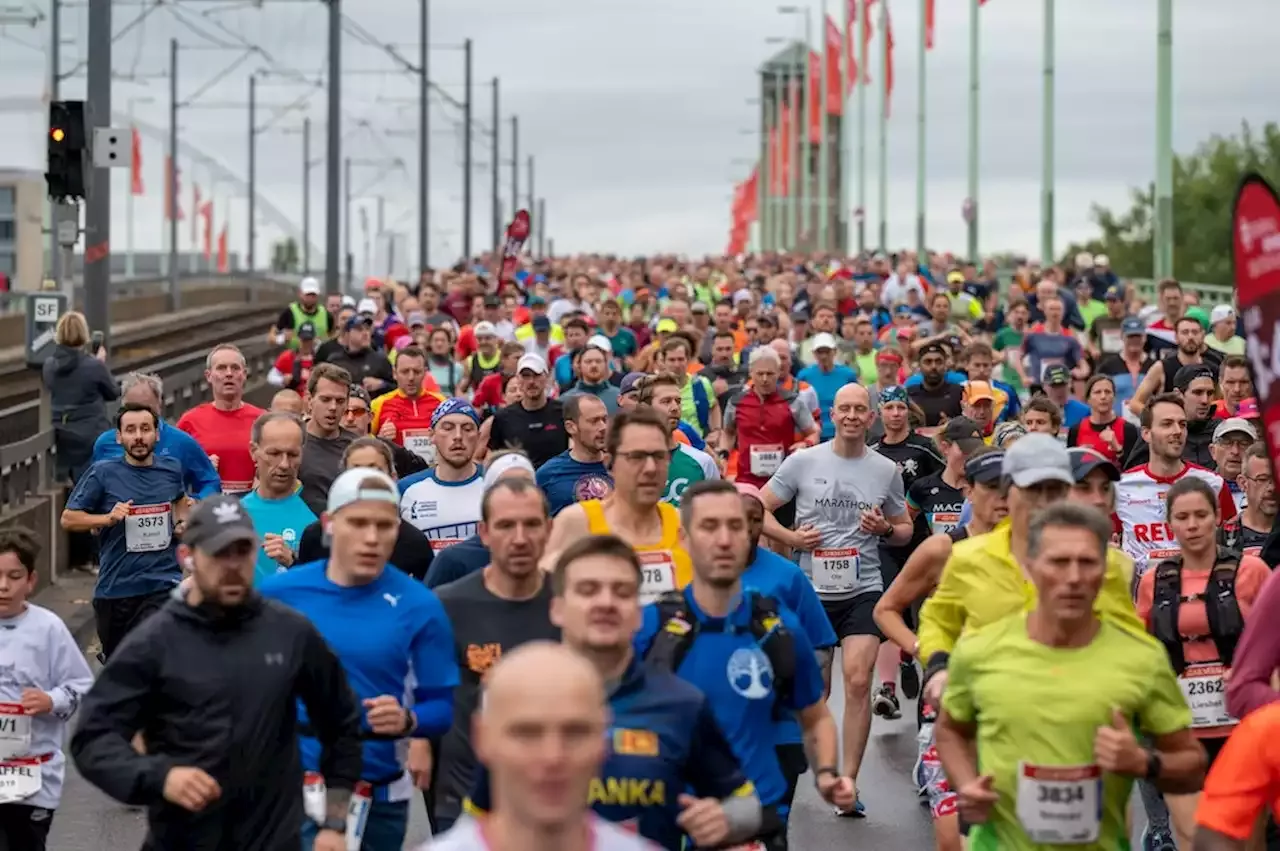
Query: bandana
(896, 393)
(454, 406)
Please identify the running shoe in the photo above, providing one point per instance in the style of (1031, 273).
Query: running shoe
(910, 678)
(1157, 840)
(856, 811)
(885, 703)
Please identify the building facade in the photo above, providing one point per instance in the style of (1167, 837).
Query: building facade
(22, 194)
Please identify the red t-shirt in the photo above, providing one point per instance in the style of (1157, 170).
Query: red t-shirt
(226, 435)
(285, 364)
(489, 393)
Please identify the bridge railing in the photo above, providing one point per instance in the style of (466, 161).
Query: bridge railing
(124, 289)
(1209, 294)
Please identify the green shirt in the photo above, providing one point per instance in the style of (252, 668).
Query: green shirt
(1009, 342)
(1091, 310)
(688, 465)
(1233, 346)
(1012, 688)
(688, 410)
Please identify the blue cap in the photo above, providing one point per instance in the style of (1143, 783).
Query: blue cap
(358, 320)
(1114, 292)
(895, 393)
(541, 323)
(536, 301)
(1133, 325)
(454, 406)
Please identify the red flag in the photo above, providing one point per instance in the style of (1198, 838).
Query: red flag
(835, 98)
(786, 141)
(929, 19)
(195, 207)
(223, 265)
(752, 190)
(206, 213)
(868, 32)
(888, 61)
(172, 188)
(815, 97)
(135, 165)
(517, 233)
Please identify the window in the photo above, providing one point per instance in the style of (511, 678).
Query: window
(6, 202)
(7, 229)
(8, 263)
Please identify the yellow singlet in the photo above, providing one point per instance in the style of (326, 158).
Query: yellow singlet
(666, 564)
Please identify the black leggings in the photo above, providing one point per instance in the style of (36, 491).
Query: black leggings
(24, 828)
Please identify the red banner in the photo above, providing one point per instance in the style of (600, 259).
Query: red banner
(224, 264)
(135, 165)
(815, 97)
(834, 47)
(195, 206)
(1255, 229)
(888, 61)
(517, 233)
(206, 214)
(752, 201)
(930, 14)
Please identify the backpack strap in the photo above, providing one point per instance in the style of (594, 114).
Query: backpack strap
(1226, 622)
(778, 645)
(701, 403)
(676, 631)
(1166, 601)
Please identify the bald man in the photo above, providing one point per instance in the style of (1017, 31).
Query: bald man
(287, 401)
(849, 500)
(540, 732)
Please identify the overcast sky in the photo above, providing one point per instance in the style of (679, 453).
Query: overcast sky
(638, 113)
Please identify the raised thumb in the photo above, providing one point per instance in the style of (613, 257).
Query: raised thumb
(1118, 721)
(986, 781)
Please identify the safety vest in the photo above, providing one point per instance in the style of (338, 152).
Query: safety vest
(320, 319)
(1226, 623)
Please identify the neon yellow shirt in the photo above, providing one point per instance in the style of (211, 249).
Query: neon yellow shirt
(1039, 707)
(982, 583)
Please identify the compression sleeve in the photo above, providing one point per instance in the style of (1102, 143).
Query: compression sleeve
(435, 671)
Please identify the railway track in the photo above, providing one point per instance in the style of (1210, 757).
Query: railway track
(166, 351)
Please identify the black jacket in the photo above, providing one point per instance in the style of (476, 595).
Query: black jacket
(219, 693)
(366, 363)
(412, 553)
(79, 387)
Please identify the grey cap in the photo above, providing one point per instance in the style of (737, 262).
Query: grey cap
(1037, 458)
(1234, 425)
(216, 523)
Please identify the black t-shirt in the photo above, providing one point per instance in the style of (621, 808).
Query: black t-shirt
(1115, 365)
(539, 433)
(939, 503)
(916, 457)
(485, 627)
(941, 401)
(1210, 358)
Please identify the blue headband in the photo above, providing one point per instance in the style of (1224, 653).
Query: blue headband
(896, 393)
(454, 406)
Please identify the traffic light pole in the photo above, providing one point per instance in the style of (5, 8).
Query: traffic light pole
(65, 283)
(97, 218)
(175, 298)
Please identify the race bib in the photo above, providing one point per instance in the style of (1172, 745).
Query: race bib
(657, 575)
(942, 522)
(236, 488)
(757, 845)
(1206, 695)
(418, 441)
(15, 730)
(438, 544)
(1060, 804)
(765, 460)
(20, 778)
(148, 528)
(1111, 340)
(1154, 557)
(314, 805)
(836, 571)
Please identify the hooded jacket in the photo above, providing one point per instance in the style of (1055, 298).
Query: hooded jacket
(79, 386)
(217, 689)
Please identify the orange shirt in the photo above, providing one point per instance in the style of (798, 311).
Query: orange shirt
(1245, 777)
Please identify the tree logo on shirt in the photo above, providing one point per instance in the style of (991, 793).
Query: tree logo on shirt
(591, 486)
(750, 673)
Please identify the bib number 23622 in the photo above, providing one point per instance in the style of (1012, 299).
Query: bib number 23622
(1206, 695)
(1061, 804)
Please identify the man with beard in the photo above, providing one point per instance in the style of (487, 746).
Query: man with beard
(494, 610)
(136, 504)
(444, 502)
(579, 472)
(1249, 531)
(1196, 384)
(221, 427)
(327, 393)
(594, 372)
(1191, 350)
(937, 397)
(278, 513)
(1145, 535)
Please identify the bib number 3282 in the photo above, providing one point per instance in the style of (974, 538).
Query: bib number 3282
(1060, 804)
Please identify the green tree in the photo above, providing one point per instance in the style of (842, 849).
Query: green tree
(284, 256)
(1204, 188)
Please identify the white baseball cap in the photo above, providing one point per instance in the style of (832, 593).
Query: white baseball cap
(485, 329)
(1222, 313)
(367, 305)
(359, 485)
(823, 340)
(309, 286)
(1234, 425)
(532, 362)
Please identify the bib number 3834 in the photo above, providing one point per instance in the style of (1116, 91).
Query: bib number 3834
(1060, 804)
(314, 804)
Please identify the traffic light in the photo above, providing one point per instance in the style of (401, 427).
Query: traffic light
(65, 177)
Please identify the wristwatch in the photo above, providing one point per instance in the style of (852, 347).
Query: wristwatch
(1154, 764)
(337, 825)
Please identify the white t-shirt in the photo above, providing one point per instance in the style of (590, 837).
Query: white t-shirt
(465, 835)
(1140, 495)
(446, 512)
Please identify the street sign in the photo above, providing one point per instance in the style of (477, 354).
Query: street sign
(44, 309)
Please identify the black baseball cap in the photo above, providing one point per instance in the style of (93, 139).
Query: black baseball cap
(357, 391)
(358, 321)
(963, 432)
(307, 331)
(1085, 459)
(492, 300)
(1056, 375)
(216, 523)
(985, 468)
(940, 348)
(1185, 375)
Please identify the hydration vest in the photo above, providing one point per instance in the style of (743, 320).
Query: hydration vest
(678, 629)
(1226, 623)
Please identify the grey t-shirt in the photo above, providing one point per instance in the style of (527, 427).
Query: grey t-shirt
(832, 492)
(321, 464)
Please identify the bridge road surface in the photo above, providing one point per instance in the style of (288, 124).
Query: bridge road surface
(88, 820)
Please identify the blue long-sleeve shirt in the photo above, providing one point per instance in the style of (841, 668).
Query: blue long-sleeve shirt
(385, 633)
(198, 474)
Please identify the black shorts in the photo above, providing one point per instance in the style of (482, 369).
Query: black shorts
(24, 828)
(118, 616)
(853, 616)
(793, 762)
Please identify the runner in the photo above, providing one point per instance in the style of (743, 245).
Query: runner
(46, 678)
(915, 454)
(328, 395)
(221, 427)
(444, 502)
(136, 505)
(938, 398)
(494, 610)
(536, 424)
(541, 693)
(763, 421)
(939, 498)
(579, 472)
(848, 500)
(638, 446)
(1232, 438)
(1025, 790)
(274, 505)
(403, 416)
(1248, 532)
(222, 763)
(1196, 605)
(1103, 430)
(770, 662)
(381, 624)
(1190, 351)
(293, 367)
(306, 310)
(1241, 789)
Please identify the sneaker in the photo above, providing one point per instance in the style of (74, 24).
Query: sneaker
(1157, 840)
(885, 703)
(910, 678)
(857, 811)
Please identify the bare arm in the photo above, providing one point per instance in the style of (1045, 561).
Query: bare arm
(83, 521)
(918, 577)
(569, 525)
(957, 749)
(1152, 382)
(820, 737)
(772, 527)
(1183, 763)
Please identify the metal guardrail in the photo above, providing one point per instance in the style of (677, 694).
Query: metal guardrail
(1209, 294)
(14, 303)
(31, 497)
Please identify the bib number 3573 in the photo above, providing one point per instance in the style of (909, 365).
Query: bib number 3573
(1060, 804)
(314, 804)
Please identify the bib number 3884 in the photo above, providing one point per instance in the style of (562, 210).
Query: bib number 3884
(1060, 804)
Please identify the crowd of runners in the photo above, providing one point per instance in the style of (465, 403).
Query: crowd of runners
(575, 556)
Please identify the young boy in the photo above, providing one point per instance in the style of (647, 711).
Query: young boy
(43, 675)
